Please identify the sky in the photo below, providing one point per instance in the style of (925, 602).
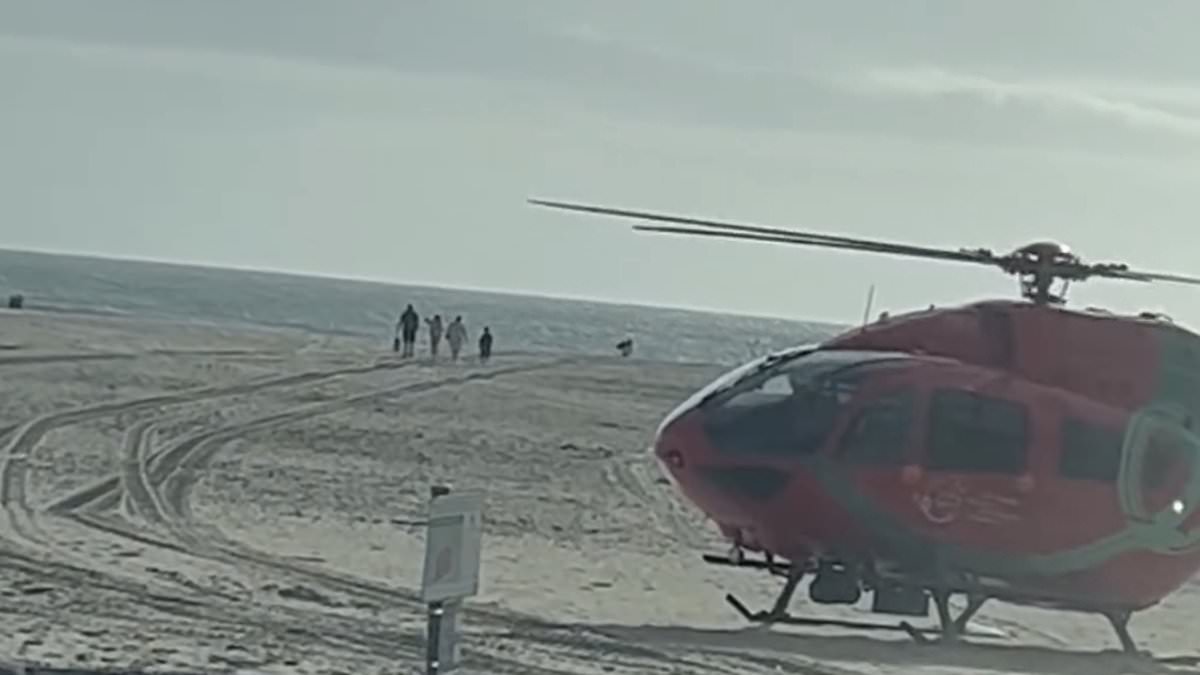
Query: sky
(399, 139)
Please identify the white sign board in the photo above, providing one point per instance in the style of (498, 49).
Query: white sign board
(452, 544)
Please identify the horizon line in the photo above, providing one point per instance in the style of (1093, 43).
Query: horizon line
(401, 284)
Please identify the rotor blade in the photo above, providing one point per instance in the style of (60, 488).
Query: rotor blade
(1148, 276)
(720, 234)
(800, 241)
(776, 235)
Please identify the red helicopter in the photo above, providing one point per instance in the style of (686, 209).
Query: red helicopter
(1000, 450)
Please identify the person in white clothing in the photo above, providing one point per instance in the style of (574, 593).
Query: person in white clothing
(456, 336)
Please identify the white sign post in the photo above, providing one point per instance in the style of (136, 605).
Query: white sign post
(452, 545)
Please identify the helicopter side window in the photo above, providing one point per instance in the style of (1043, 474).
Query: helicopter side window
(971, 432)
(1090, 452)
(879, 432)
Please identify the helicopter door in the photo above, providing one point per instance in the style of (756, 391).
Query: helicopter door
(878, 435)
(877, 442)
(975, 479)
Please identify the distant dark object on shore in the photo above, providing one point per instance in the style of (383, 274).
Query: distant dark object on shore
(16, 301)
(625, 347)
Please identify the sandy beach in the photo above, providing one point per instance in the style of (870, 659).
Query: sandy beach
(182, 498)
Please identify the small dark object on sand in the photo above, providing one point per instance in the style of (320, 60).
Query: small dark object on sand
(16, 301)
(625, 347)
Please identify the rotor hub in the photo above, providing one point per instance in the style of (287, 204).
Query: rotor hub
(1039, 264)
(1047, 251)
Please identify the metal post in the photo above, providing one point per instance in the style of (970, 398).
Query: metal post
(434, 615)
(433, 640)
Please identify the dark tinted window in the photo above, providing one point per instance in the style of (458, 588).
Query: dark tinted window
(879, 432)
(973, 432)
(790, 408)
(1090, 452)
(773, 422)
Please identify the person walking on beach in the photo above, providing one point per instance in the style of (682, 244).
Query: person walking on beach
(456, 335)
(406, 329)
(485, 345)
(435, 334)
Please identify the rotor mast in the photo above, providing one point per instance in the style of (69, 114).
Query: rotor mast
(1037, 266)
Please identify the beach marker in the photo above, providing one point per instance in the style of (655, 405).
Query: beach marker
(453, 538)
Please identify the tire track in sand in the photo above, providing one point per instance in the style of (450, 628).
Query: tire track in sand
(18, 517)
(635, 476)
(173, 472)
(209, 612)
(171, 475)
(138, 500)
(169, 481)
(143, 472)
(74, 357)
(13, 477)
(158, 490)
(34, 430)
(21, 359)
(175, 480)
(213, 610)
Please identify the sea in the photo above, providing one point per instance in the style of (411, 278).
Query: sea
(521, 323)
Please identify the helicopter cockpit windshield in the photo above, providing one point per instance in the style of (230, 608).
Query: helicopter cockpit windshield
(791, 406)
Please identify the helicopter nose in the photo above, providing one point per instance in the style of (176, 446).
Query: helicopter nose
(677, 441)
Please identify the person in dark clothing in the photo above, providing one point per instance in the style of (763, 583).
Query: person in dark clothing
(485, 345)
(407, 328)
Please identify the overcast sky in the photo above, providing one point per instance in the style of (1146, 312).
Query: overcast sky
(398, 140)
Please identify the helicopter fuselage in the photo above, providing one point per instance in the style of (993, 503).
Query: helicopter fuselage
(1017, 451)
(1036, 454)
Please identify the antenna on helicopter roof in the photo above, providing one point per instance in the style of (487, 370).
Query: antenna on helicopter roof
(870, 300)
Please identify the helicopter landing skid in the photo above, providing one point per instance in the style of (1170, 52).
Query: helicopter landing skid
(922, 635)
(950, 630)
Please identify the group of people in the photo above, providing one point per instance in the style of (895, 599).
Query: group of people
(455, 335)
